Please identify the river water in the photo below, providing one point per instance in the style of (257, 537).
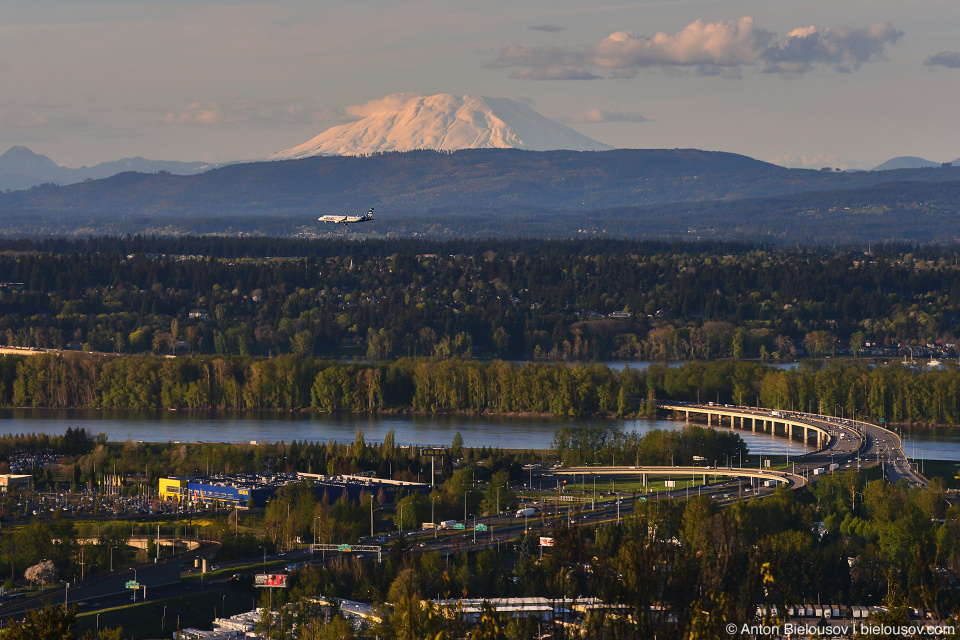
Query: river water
(488, 431)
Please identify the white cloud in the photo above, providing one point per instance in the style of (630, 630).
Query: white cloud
(726, 44)
(711, 48)
(842, 48)
(816, 161)
(602, 115)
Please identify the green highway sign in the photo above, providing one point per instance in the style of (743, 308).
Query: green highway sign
(459, 525)
(133, 584)
(344, 547)
(481, 527)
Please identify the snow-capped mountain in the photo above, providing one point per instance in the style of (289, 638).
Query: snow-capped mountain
(405, 122)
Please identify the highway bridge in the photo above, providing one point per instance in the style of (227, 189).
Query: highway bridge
(839, 443)
(838, 440)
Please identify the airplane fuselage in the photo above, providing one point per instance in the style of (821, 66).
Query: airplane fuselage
(347, 219)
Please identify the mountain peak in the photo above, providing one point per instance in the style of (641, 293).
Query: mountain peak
(442, 122)
(20, 159)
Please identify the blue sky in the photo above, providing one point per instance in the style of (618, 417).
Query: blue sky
(842, 83)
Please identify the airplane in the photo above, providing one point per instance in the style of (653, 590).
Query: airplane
(347, 219)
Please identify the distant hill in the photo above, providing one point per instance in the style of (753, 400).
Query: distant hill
(423, 180)
(497, 192)
(443, 122)
(906, 162)
(21, 168)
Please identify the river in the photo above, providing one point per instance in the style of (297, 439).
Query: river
(477, 431)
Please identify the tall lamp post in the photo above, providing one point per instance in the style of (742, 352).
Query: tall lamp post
(264, 559)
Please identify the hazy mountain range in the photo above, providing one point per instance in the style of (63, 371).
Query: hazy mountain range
(21, 168)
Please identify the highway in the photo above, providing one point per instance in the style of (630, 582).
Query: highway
(849, 441)
(848, 444)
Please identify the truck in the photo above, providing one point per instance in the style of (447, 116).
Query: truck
(776, 414)
(525, 513)
(818, 471)
(834, 466)
(447, 524)
(429, 525)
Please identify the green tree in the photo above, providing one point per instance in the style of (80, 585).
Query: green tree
(48, 623)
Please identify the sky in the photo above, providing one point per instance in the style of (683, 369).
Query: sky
(803, 83)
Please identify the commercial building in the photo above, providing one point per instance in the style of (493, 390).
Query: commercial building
(254, 490)
(11, 482)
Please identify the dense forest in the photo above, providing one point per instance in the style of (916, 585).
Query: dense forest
(894, 392)
(565, 300)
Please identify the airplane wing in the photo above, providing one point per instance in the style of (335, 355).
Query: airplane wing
(332, 218)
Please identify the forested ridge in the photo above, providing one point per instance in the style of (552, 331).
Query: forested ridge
(505, 193)
(561, 300)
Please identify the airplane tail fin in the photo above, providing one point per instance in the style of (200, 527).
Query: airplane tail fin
(370, 214)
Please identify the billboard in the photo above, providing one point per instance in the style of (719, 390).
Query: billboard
(271, 580)
(546, 542)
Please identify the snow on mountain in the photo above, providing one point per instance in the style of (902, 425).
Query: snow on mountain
(405, 122)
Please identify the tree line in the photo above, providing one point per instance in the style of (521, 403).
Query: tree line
(894, 392)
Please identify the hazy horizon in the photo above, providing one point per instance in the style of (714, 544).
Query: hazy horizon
(841, 83)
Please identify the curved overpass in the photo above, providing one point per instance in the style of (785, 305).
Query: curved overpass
(793, 480)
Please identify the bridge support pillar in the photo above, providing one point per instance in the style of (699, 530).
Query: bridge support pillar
(688, 416)
(709, 419)
(789, 432)
(644, 476)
